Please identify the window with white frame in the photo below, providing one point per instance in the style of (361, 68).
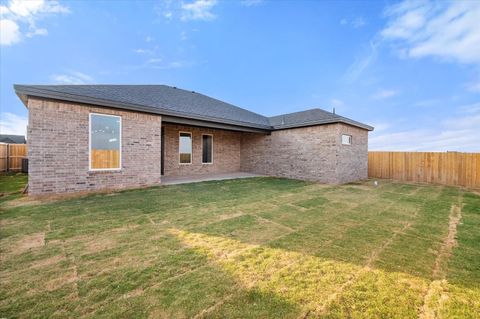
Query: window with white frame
(207, 149)
(346, 139)
(185, 147)
(105, 142)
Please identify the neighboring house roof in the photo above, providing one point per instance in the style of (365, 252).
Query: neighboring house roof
(177, 103)
(12, 139)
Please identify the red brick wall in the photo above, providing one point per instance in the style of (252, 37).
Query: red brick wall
(310, 153)
(58, 149)
(352, 160)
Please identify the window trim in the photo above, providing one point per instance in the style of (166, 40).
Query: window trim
(207, 163)
(90, 144)
(191, 154)
(351, 139)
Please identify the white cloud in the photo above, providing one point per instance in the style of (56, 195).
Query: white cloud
(183, 35)
(13, 124)
(251, 3)
(21, 14)
(447, 30)
(10, 32)
(471, 108)
(356, 22)
(72, 77)
(456, 134)
(41, 31)
(382, 126)
(154, 60)
(198, 10)
(384, 94)
(144, 51)
(474, 86)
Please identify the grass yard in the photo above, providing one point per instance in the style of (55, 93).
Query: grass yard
(247, 248)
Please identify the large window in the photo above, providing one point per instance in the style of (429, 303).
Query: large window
(185, 148)
(207, 149)
(105, 142)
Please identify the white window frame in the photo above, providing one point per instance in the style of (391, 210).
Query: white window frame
(350, 138)
(191, 154)
(211, 163)
(90, 144)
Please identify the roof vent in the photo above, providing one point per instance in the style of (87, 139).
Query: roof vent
(333, 111)
(174, 87)
(193, 91)
(283, 120)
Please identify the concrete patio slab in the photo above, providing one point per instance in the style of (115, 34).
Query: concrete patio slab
(172, 180)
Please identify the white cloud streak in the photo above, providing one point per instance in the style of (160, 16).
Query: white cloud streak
(357, 22)
(361, 63)
(72, 77)
(198, 10)
(384, 94)
(474, 86)
(446, 30)
(251, 3)
(459, 133)
(13, 124)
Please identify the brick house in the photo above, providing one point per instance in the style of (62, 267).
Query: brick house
(92, 137)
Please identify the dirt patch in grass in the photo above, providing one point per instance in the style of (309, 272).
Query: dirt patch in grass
(47, 262)
(449, 243)
(133, 293)
(434, 300)
(28, 242)
(99, 244)
(23, 201)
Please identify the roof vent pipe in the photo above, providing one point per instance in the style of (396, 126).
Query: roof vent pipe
(333, 111)
(283, 120)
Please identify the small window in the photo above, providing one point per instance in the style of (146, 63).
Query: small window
(207, 149)
(185, 148)
(346, 139)
(105, 142)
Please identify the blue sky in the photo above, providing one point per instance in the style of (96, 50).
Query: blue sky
(411, 69)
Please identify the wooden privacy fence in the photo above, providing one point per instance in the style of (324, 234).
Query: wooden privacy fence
(11, 156)
(450, 168)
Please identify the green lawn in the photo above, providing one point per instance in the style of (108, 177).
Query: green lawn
(248, 248)
(12, 185)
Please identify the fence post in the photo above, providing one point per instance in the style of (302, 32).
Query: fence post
(8, 158)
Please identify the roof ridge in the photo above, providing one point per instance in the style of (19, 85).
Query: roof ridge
(304, 111)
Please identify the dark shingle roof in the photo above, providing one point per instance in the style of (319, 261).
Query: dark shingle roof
(311, 117)
(156, 97)
(12, 139)
(171, 101)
